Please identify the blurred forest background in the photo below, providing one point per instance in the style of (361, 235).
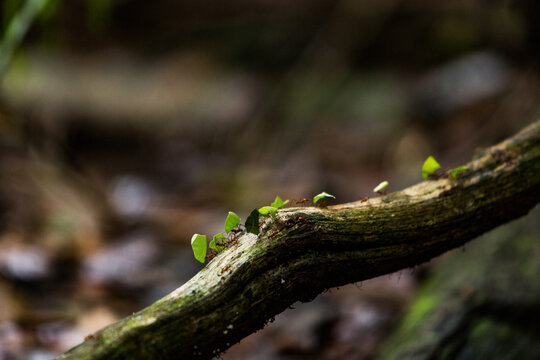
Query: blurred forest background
(128, 125)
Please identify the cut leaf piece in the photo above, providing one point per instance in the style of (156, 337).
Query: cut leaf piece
(198, 245)
(268, 210)
(429, 167)
(278, 203)
(213, 243)
(322, 196)
(219, 236)
(381, 186)
(455, 172)
(231, 222)
(252, 222)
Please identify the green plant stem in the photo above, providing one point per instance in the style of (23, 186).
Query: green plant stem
(16, 30)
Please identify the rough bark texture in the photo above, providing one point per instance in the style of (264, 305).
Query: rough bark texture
(304, 251)
(482, 303)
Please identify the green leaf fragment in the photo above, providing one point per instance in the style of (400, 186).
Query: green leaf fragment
(213, 243)
(429, 167)
(231, 222)
(322, 196)
(381, 186)
(252, 222)
(198, 245)
(268, 210)
(278, 203)
(455, 172)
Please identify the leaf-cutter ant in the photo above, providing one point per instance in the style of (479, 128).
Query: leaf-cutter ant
(301, 201)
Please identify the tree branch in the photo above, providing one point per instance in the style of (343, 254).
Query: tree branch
(304, 251)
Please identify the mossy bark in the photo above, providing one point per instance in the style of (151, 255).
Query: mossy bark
(482, 303)
(303, 251)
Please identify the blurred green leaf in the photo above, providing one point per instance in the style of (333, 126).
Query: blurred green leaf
(98, 14)
(51, 11)
(17, 28)
(213, 243)
(322, 196)
(219, 236)
(198, 245)
(429, 167)
(9, 9)
(455, 172)
(381, 186)
(231, 222)
(268, 210)
(278, 203)
(252, 222)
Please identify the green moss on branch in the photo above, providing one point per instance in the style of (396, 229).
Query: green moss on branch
(304, 251)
